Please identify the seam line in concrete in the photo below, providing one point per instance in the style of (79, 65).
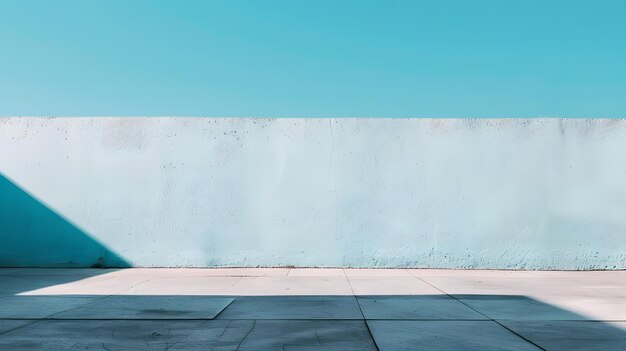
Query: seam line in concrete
(20, 327)
(356, 299)
(225, 307)
(486, 316)
(246, 336)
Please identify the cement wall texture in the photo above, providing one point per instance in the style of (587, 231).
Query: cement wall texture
(207, 192)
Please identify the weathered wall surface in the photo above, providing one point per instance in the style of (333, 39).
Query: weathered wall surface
(486, 193)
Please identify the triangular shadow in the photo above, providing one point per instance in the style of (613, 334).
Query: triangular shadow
(34, 235)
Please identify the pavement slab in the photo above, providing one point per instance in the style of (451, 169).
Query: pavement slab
(149, 307)
(39, 307)
(572, 335)
(437, 307)
(293, 307)
(446, 336)
(515, 307)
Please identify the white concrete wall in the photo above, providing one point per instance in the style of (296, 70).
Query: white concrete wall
(485, 193)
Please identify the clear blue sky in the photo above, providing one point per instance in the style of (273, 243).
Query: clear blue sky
(330, 58)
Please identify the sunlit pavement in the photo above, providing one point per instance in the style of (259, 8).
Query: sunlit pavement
(311, 309)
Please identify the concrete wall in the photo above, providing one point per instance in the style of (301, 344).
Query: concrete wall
(486, 193)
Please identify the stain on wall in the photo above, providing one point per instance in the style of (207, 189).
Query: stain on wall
(440, 193)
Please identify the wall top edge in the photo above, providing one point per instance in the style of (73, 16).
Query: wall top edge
(330, 117)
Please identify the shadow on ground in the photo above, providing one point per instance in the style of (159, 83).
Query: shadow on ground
(34, 235)
(389, 322)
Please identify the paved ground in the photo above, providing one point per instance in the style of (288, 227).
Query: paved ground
(310, 309)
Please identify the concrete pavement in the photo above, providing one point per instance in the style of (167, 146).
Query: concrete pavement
(311, 309)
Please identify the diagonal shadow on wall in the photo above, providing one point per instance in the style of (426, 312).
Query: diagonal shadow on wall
(34, 235)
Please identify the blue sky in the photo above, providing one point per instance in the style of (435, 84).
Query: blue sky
(313, 58)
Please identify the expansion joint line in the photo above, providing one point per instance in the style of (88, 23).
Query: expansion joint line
(484, 315)
(369, 331)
